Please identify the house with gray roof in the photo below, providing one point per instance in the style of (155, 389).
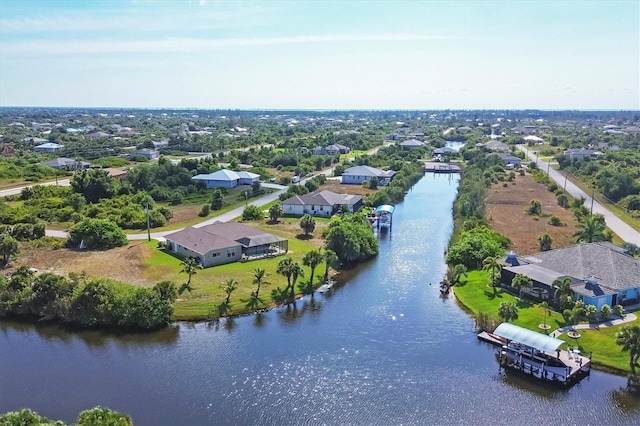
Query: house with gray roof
(412, 144)
(322, 203)
(227, 178)
(333, 149)
(61, 163)
(581, 153)
(358, 174)
(224, 242)
(48, 147)
(601, 273)
(507, 159)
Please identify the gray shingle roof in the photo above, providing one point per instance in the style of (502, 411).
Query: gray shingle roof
(609, 266)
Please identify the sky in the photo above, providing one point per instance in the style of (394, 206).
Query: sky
(320, 54)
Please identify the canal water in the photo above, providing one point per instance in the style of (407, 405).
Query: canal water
(382, 347)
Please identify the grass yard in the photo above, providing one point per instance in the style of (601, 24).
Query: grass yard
(477, 295)
(207, 294)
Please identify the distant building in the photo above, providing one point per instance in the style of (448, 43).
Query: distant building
(48, 147)
(358, 174)
(412, 144)
(322, 203)
(147, 153)
(61, 163)
(6, 150)
(581, 153)
(334, 149)
(227, 178)
(507, 159)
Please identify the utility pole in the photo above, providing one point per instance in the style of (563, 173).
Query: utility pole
(593, 192)
(146, 209)
(564, 188)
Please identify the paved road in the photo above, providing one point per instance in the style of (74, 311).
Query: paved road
(18, 190)
(624, 231)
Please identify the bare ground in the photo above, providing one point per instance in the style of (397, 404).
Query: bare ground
(506, 214)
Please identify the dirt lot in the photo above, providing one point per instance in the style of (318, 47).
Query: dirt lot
(506, 213)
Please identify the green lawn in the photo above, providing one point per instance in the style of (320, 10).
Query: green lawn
(206, 294)
(477, 296)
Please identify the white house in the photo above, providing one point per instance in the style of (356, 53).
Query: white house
(227, 178)
(581, 153)
(48, 147)
(323, 203)
(358, 174)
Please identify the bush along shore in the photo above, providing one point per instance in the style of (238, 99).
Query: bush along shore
(92, 417)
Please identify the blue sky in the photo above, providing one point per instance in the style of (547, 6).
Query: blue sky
(320, 54)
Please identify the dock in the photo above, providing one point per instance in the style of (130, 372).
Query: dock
(436, 167)
(538, 355)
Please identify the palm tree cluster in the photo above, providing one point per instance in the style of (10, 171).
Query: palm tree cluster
(629, 339)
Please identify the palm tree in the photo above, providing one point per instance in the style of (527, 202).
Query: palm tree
(296, 271)
(189, 267)
(563, 290)
(285, 267)
(312, 259)
(629, 339)
(545, 242)
(492, 264)
(591, 230)
(331, 261)
(521, 282)
(508, 311)
(259, 279)
(229, 286)
(275, 212)
(545, 309)
(308, 224)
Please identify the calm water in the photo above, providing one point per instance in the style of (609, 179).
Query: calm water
(382, 348)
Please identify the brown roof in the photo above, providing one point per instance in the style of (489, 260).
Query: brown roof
(219, 235)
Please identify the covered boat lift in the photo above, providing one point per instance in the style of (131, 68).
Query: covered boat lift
(540, 355)
(384, 215)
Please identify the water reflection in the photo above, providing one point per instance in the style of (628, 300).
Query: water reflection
(93, 338)
(626, 400)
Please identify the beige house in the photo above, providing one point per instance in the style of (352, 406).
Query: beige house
(225, 242)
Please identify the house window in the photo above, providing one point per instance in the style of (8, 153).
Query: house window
(231, 252)
(215, 254)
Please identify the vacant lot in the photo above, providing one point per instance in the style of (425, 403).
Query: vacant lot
(506, 213)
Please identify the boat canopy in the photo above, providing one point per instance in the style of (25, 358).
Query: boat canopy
(385, 208)
(541, 342)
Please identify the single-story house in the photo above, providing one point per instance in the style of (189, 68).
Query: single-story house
(116, 173)
(358, 174)
(444, 150)
(32, 139)
(66, 163)
(224, 242)
(322, 203)
(150, 154)
(496, 146)
(601, 273)
(412, 144)
(227, 178)
(48, 147)
(98, 135)
(507, 159)
(533, 139)
(581, 153)
(333, 149)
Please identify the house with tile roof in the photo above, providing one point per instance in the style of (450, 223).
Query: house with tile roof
(322, 203)
(601, 273)
(358, 174)
(224, 242)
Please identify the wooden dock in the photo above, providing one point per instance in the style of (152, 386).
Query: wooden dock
(435, 167)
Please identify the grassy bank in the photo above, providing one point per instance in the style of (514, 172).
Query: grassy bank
(476, 295)
(207, 294)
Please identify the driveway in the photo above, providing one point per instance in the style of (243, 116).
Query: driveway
(624, 231)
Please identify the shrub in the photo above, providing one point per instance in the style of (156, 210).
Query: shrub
(591, 312)
(555, 221)
(535, 208)
(204, 212)
(252, 212)
(96, 234)
(619, 311)
(605, 312)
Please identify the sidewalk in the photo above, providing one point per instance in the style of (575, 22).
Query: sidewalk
(627, 318)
